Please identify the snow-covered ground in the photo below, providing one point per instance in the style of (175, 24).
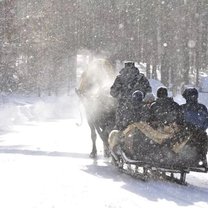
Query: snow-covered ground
(45, 164)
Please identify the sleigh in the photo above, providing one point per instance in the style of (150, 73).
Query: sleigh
(170, 154)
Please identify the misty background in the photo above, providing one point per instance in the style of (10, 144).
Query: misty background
(41, 41)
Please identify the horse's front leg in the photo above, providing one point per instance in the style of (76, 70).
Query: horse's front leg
(93, 154)
(103, 133)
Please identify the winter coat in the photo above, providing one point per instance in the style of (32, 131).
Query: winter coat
(164, 111)
(128, 81)
(194, 115)
(195, 120)
(128, 113)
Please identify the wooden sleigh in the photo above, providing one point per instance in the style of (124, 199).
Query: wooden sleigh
(144, 152)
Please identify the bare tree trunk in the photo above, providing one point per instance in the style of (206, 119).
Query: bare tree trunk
(154, 72)
(165, 68)
(148, 71)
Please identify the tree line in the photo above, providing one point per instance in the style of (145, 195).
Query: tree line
(39, 40)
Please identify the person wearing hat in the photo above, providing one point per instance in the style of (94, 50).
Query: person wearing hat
(133, 112)
(164, 111)
(194, 114)
(132, 115)
(128, 81)
(195, 121)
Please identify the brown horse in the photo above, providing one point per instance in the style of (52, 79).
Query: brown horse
(94, 92)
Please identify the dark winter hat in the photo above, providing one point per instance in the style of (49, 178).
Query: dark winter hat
(162, 92)
(137, 96)
(190, 93)
(129, 64)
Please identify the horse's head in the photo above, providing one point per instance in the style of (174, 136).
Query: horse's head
(97, 78)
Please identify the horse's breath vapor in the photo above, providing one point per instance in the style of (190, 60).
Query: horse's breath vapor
(96, 82)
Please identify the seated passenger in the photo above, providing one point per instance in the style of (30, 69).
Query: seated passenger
(194, 114)
(133, 111)
(164, 111)
(195, 120)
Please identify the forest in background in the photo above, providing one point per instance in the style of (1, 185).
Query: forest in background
(40, 40)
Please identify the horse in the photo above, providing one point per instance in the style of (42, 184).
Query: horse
(94, 93)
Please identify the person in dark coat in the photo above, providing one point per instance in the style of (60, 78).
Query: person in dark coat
(164, 111)
(138, 111)
(128, 81)
(195, 121)
(132, 112)
(194, 114)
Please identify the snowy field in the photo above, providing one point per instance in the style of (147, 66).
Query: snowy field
(45, 164)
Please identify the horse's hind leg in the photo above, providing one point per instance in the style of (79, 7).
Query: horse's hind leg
(93, 154)
(106, 150)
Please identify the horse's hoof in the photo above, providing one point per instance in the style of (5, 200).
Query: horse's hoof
(93, 155)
